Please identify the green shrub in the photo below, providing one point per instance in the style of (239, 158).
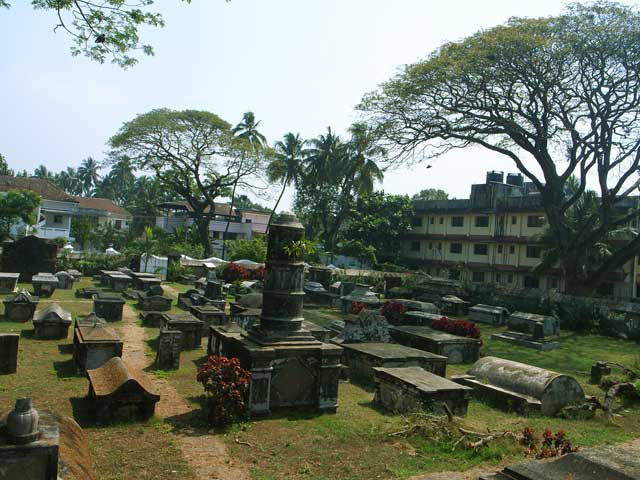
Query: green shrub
(254, 249)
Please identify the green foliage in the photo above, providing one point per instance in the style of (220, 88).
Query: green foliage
(297, 249)
(91, 264)
(244, 202)
(83, 230)
(254, 249)
(4, 166)
(359, 250)
(431, 194)
(15, 206)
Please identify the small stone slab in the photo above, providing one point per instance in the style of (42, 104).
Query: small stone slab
(456, 349)
(119, 282)
(8, 282)
(86, 292)
(489, 314)
(361, 358)
(413, 389)
(416, 306)
(420, 318)
(8, 353)
(525, 340)
(452, 305)
(532, 323)
(44, 284)
(108, 306)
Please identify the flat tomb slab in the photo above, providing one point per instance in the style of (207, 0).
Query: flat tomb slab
(411, 389)
(456, 349)
(361, 358)
(8, 282)
(524, 340)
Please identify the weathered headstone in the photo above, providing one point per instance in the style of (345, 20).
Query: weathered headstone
(108, 306)
(368, 326)
(213, 290)
(529, 330)
(209, 314)
(65, 280)
(9, 353)
(599, 370)
(44, 284)
(94, 343)
(20, 307)
(169, 347)
(158, 303)
(489, 314)
(190, 327)
(455, 306)
(8, 282)
(52, 323)
(457, 349)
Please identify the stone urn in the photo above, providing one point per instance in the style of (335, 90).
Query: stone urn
(22, 422)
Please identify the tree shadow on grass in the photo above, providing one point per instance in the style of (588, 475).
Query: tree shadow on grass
(83, 411)
(65, 369)
(65, 348)
(27, 333)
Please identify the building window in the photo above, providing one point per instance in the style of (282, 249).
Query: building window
(441, 220)
(248, 220)
(514, 220)
(535, 221)
(479, 248)
(553, 282)
(499, 248)
(430, 245)
(455, 248)
(531, 282)
(457, 221)
(454, 274)
(57, 219)
(533, 251)
(415, 246)
(512, 249)
(510, 278)
(431, 220)
(416, 222)
(498, 278)
(439, 245)
(482, 221)
(477, 277)
(118, 224)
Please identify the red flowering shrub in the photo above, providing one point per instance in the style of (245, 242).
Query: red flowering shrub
(393, 311)
(258, 273)
(357, 307)
(226, 384)
(233, 272)
(550, 446)
(461, 328)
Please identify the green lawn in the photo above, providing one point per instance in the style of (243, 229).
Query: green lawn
(353, 444)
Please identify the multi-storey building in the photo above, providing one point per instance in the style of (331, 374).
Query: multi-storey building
(491, 237)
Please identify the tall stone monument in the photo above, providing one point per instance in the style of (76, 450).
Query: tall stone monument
(289, 366)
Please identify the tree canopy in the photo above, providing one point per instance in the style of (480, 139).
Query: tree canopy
(560, 93)
(15, 206)
(431, 194)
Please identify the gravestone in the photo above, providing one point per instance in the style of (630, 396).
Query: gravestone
(209, 314)
(86, 292)
(8, 282)
(44, 284)
(361, 294)
(145, 283)
(289, 367)
(419, 318)
(77, 275)
(361, 358)
(169, 347)
(94, 343)
(321, 275)
(152, 302)
(455, 306)
(413, 389)
(213, 290)
(456, 349)
(346, 288)
(120, 392)
(105, 277)
(190, 327)
(28, 256)
(489, 314)
(416, 306)
(20, 307)
(529, 330)
(152, 319)
(119, 282)
(65, 280)
(108, 306)
(52, 323)
(524, 388)
(368, 326)
(9, 353)
(599, 370)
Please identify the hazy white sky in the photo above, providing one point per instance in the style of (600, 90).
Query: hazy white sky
(300, 65)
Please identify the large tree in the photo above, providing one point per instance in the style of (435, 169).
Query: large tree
(558, 95)
(102, 30)
(194, 154)
(88, 175)
(431, 194)
(18, 206)
(286, 165)
(4, 167)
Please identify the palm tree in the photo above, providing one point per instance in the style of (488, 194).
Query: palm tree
(42, 172)
(364, 151)
(286, 167)
(68, 181)
(88, 175)
(247, 130)
(324, 157)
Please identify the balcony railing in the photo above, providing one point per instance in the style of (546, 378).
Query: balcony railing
(51, 232)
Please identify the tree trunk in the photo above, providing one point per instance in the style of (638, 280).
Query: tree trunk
(202, 224)
(273, 212)
(233, 200)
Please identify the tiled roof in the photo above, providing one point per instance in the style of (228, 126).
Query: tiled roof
(96, 203)
(45, 188)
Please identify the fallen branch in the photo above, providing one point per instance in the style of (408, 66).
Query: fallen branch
(483, 438)
(627, 371)
(617, 390)
(241, 442)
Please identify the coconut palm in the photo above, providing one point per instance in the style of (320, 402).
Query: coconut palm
(68, 181)
(363, 153)
(325, 159)
(286, 167)
(42, 172)
(88, 175)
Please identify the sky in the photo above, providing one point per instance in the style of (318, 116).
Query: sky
(299, 65)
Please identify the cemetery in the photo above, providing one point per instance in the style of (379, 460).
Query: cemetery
(189, 298)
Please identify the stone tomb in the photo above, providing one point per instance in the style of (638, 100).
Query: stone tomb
(77, 275)
(152, 319)
(420, 318)
(452, 305)
(44, 284)
(151, 301)
(8, 282)
(416, 306)
(105, 277)
(319, 333)
(520, 387)
(361, 294)
(9, 353)
(65, 280)
(456, 349)
(120, 392)
(361, 358)
(289, 367)
(190, 327)
(489, 314)
(209, 314)
(20, 307)
(145, 283)
(52, 323)
(368, 326)
(94, 343)
(86, 292)
(119, 282)
(529, 330)
(169, 347)
(413, 389)
(108, 306)
(213, 290)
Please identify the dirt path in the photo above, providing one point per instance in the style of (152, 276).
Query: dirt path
(170, 291)
(206, 454)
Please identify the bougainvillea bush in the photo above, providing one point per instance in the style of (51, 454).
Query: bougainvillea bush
(552, 445)
(233, 272)
(357, 307)
(393, 311)
(462, 328)
(257, 273)
(226, 385)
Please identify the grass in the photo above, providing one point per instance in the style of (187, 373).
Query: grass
(353, 444)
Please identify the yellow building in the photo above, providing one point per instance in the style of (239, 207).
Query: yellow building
(491, 238)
